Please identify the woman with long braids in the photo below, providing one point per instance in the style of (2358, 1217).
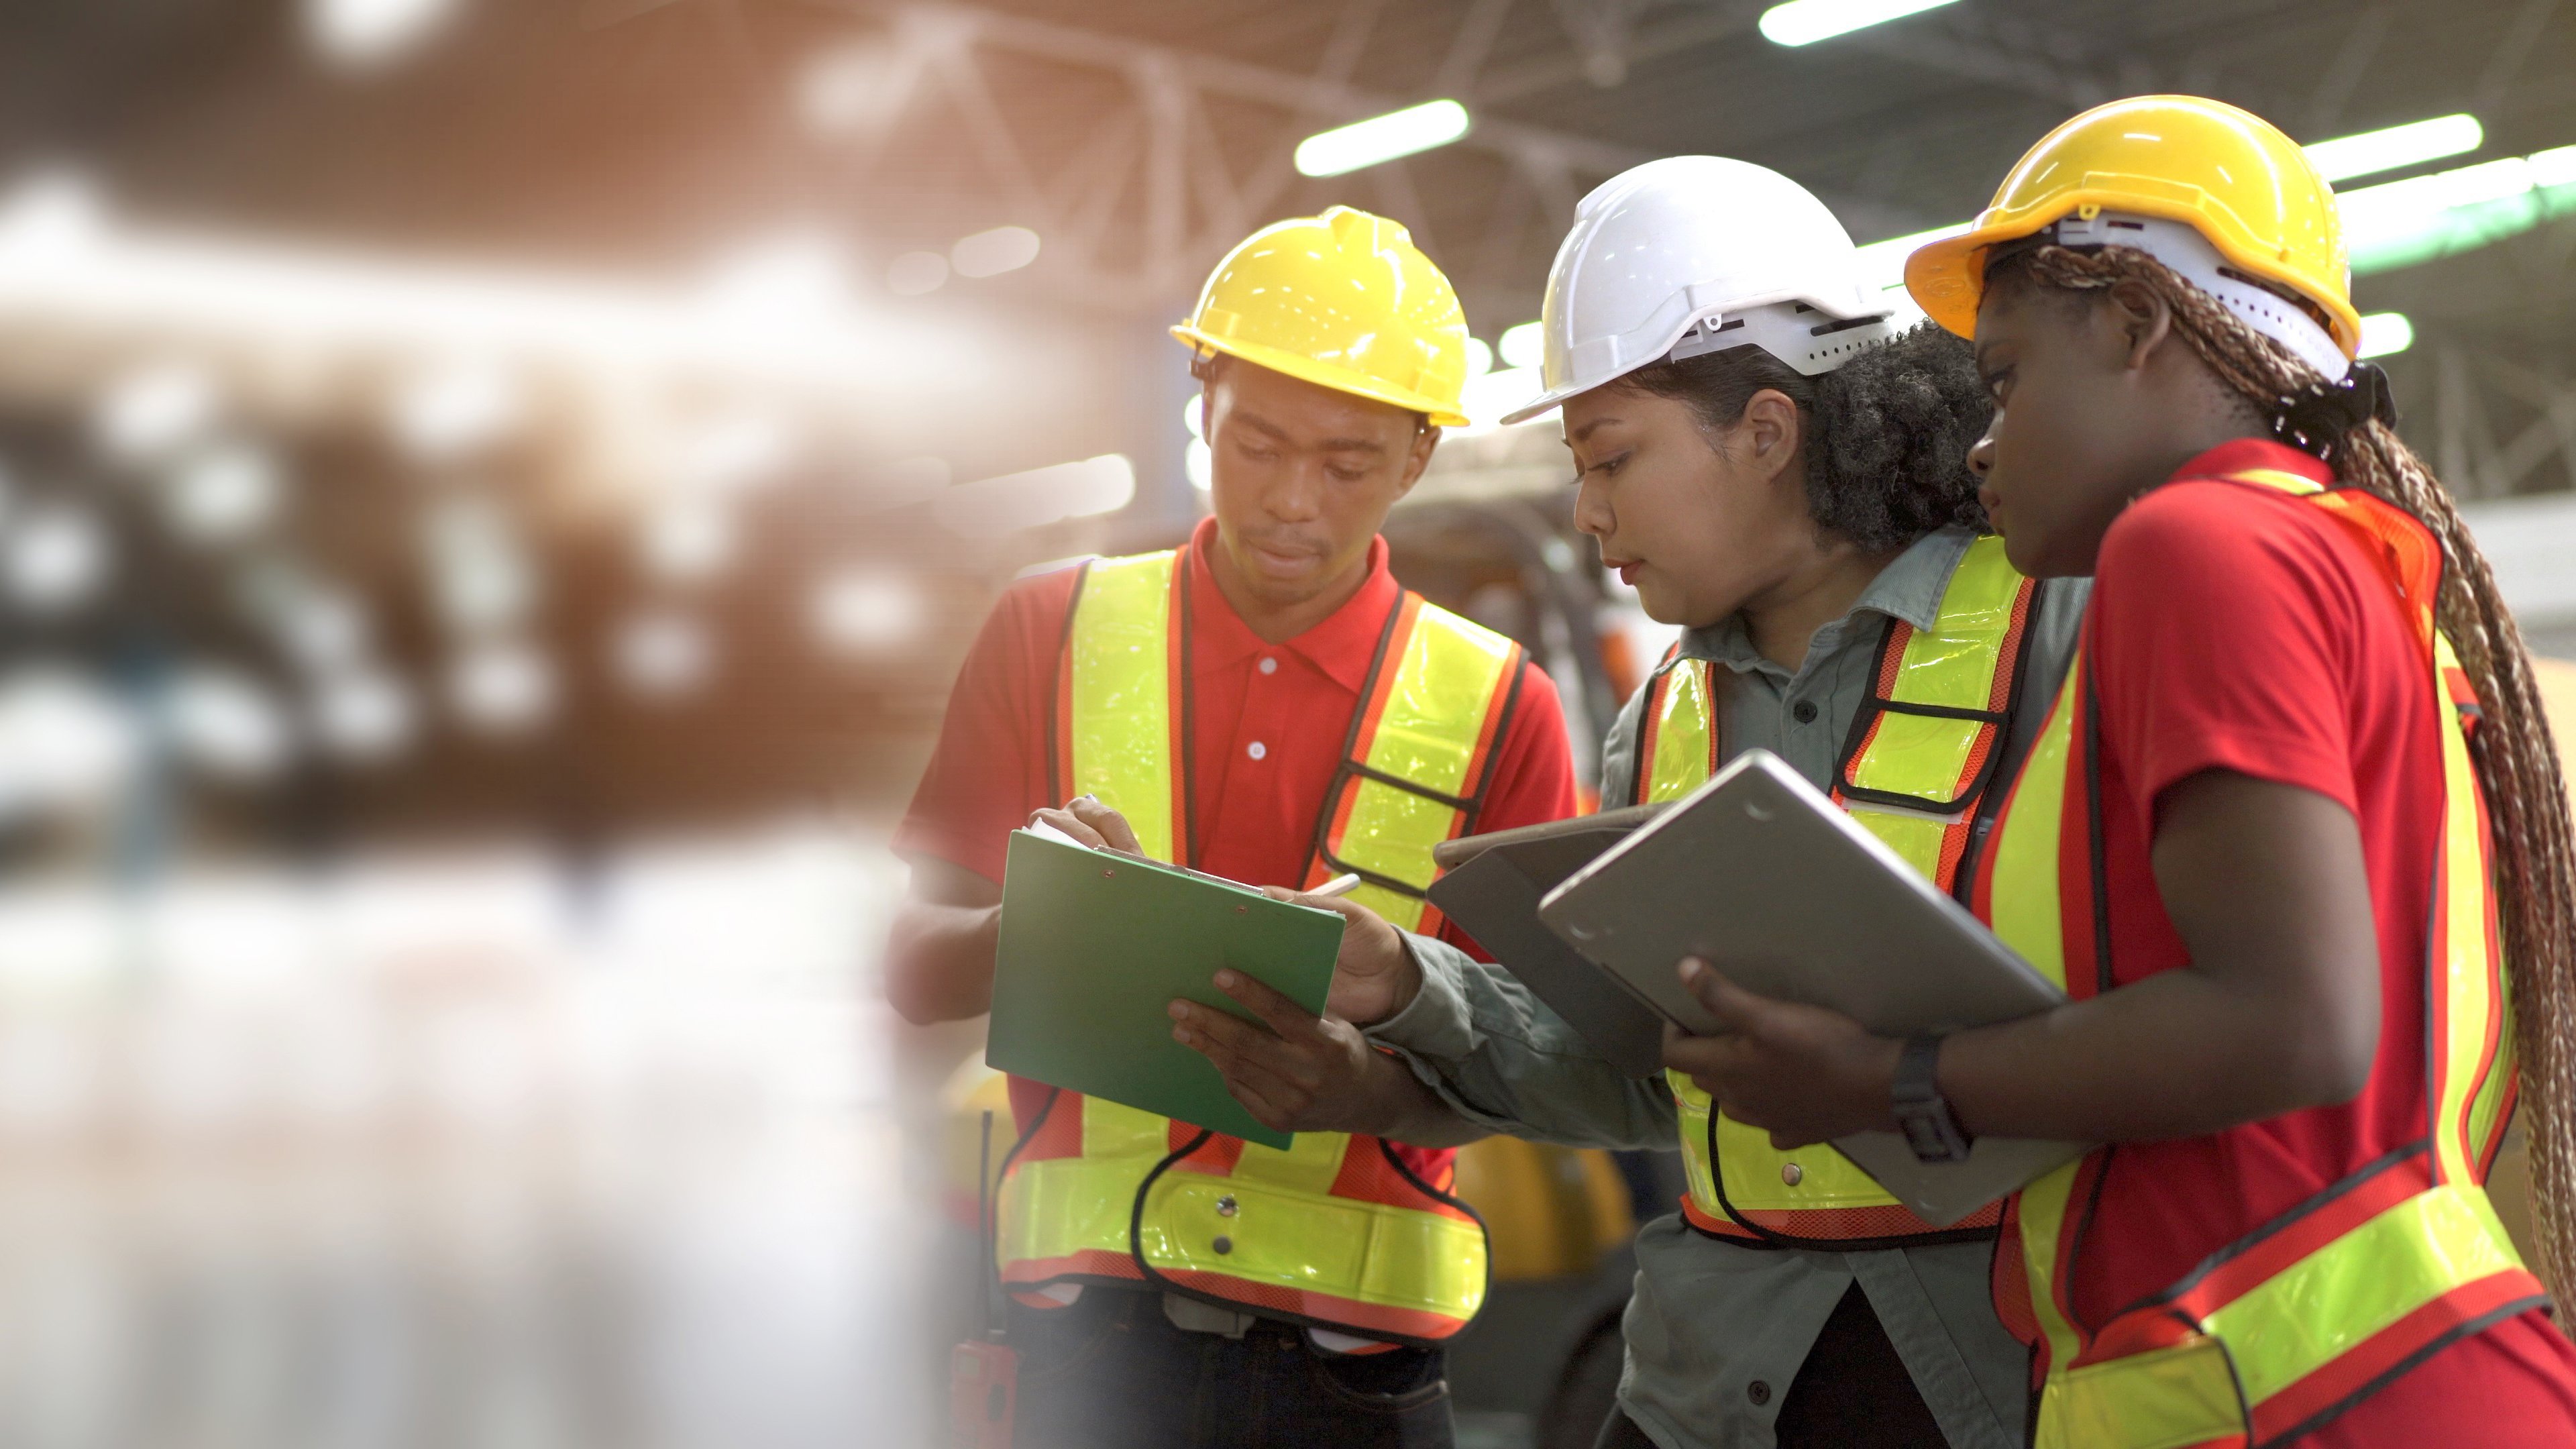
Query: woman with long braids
(2294, 839)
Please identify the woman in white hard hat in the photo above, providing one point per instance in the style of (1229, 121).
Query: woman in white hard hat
(1773, 464)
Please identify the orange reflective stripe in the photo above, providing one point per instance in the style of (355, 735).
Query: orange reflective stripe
(1419, 757)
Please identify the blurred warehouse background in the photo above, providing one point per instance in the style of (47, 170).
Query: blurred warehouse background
(493, 493)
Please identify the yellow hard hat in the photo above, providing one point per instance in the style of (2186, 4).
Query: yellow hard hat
(1343, 300)
(2226, 173)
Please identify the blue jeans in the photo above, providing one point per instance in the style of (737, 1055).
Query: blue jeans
(1111, 1372)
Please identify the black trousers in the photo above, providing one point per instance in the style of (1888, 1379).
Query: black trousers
(1111, 1372)
(1852, 1393)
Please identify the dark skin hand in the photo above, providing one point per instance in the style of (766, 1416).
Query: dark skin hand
(939, 951)
(2097, 401)
(2277, 1011)
(1301, 1073)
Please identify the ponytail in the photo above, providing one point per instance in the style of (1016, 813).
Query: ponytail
(1886, 434)
(2516, 758)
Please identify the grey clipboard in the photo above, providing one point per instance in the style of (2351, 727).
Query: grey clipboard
(1494, 894)
(1761, 875)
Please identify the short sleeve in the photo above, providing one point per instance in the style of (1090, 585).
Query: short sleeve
(989, 769)
(2224, 633)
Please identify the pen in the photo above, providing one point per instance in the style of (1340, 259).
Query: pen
(1340, 885)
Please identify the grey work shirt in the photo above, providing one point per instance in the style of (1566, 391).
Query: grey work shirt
(1717, 1330)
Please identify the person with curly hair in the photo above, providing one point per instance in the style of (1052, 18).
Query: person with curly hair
(2295, 841)
(1775, 466)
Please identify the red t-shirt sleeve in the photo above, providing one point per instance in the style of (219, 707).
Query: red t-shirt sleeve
(1533, 779)
(2225, 633)
(989, 769)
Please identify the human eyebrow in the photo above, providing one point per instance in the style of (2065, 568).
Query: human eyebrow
(1579, 434)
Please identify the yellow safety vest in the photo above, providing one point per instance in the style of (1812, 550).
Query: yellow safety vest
(1916, 772)
(2299, 1319)
(1335, 1229)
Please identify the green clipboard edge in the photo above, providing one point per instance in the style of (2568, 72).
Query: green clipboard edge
(1094, 948)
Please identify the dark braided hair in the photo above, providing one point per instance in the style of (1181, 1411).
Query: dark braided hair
(2516, 758)
(1887, 433)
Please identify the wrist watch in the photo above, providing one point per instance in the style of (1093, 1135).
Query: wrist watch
(1921, 1111)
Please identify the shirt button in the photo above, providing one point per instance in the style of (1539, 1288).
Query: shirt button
(1805, 711)
(1269, 665)
(1759, 1392)
(1256, 749)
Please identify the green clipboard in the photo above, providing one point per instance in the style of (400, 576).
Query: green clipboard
(1094, 948)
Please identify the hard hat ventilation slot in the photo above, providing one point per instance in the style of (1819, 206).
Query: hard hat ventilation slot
(1845, 325)
(1701, 336)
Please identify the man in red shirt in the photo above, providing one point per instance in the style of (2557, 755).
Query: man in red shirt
(1317, 717)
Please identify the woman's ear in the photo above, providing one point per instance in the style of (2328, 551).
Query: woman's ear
(2141, 319)
(1770, 430)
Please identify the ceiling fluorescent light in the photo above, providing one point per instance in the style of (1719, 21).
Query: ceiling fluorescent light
(2374, 213)
(2385, 332)
(2553, 167)
(1362, 144)
(1883, 262)
(1804, 22)
(363, 33)
(2395, 146)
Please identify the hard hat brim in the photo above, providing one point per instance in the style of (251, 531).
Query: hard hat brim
(1947, 278)
(1321, 374)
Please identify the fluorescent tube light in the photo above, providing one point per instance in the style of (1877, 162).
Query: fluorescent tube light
(2395, 146)
(1883, 262)
(2385, 332)
(1523, 346)
(2554, 167)
(1804, 22)
(2375, 213)
(1381, 138)
(991, 253)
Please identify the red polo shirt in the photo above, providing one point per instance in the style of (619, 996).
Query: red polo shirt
(1269, 722)
(2234, 627)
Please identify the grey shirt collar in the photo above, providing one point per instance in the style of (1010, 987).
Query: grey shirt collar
(1909, 588)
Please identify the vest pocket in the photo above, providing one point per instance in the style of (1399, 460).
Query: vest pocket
(2175, 1397)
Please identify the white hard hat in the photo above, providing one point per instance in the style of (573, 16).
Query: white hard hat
(1696, 254)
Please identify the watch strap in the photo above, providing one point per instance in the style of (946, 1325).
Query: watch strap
(1924, 1114)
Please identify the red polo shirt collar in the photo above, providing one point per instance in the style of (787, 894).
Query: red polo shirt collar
(2245, 453)
(1341, 646)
